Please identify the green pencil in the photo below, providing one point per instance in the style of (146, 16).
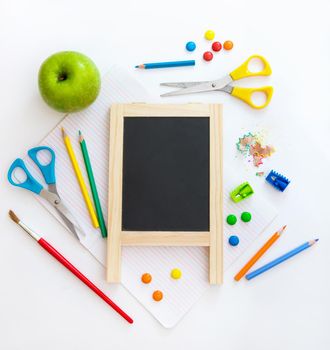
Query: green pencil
(93, 185)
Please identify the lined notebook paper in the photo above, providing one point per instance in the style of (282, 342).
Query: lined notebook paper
(179, 295)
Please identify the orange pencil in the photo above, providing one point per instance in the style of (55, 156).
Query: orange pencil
(259, 254)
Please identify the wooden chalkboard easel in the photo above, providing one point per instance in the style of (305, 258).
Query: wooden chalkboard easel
(211, 237)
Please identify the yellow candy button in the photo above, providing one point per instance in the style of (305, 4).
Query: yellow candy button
(209, 35)
(176, 274)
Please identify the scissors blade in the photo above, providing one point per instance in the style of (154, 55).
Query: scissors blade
(213, 85)
(70, 221)
(52, 188)
(182, 84)
(65, 214)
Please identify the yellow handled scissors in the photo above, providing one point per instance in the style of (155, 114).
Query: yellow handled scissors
(224, 84)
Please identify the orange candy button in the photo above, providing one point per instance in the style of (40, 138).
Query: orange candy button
(228, 45)
(146, 278)
(157, 295)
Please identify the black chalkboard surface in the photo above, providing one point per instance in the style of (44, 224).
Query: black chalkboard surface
(166, 164)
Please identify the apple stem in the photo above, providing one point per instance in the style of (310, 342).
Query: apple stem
(62, 77)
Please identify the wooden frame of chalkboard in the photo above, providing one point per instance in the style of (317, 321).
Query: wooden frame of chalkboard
(118, 236)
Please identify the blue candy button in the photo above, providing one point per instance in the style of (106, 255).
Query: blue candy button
(190, 46)
(233, 240)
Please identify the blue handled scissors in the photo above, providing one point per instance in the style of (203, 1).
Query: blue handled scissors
(50, 194)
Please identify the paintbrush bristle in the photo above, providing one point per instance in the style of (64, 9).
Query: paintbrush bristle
(13, 216)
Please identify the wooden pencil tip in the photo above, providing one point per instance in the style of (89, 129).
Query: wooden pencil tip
(13, 216)
(313, 242)
(81, 137)
(63, 132)
(282, 230)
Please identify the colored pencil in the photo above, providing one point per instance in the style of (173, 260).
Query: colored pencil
(166, 64)
(259, 254)
(80, 179)
(280, 259)
(59, 257)
(92, 183)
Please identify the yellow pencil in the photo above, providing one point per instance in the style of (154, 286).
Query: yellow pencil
(80, 179)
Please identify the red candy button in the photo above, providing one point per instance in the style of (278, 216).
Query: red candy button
(216, 46)
(208, 55)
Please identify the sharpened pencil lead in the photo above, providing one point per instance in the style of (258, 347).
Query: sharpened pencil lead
(81, 137)
(63, 132)
(282, 230)
(312, 242)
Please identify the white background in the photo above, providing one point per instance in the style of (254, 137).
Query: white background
(41, 304)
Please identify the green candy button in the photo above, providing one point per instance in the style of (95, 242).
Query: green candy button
(246, 216)
(231, 219)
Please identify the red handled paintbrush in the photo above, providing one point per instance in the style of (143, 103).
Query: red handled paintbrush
(52, 251)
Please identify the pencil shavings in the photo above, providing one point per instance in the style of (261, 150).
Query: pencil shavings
(244, 143)
(251, 146)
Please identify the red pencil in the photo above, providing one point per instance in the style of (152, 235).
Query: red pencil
(58, 256)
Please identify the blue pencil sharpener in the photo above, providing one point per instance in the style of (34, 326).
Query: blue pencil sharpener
(277, 180)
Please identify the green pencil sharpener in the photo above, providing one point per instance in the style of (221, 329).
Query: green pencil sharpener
(241, 192)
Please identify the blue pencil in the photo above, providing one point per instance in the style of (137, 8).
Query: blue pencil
(166, 64)
(280, 259)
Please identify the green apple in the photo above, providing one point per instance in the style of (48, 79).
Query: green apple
(69, 81)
